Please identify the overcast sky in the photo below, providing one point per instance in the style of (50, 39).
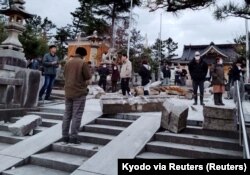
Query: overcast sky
(189, 27)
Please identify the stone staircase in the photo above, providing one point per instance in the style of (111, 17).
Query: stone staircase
(61, 159)
(193, 142)
(8, 139)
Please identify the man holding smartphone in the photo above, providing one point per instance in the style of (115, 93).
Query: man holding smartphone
(50, 64)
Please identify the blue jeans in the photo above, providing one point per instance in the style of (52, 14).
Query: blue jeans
(47, 86)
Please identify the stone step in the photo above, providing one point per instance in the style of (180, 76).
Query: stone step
(4, 126)
(121, 116)
(199, 140)
(84, 149)
(152, 155)
(48, 115)
(39, 129)
(192, 151)
(114, 122)
(194, 123)
(199, 131)
(49, 122)
(34, 169)
(4, 145)
(52, 110)
(45, 122)
(95, 138)
(103, 129)
(14, 119)
(8, 137)
(57, 160)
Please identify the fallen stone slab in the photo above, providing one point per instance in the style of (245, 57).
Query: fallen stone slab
(25, 125)
(96, 91)
(174, 116)
(113, 104)
(219, 118)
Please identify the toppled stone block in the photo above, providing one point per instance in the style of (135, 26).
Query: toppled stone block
(119, 104)
(96, 91)
(139, 90)
(25, 125)
(174, 116)
(219, 118)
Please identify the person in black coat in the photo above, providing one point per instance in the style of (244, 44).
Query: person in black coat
(166, 74)
(115, 78)
(145, 73)
(103, 73)
(238, 75)
(198, 70)
(183, 76)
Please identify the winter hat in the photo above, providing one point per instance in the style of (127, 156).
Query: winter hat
(81, 51)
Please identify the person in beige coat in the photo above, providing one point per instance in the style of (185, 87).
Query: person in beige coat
(126, 73)
(218, 81)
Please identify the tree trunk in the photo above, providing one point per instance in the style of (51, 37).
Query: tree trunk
(113, 24)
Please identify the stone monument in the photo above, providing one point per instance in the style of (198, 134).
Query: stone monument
(18, 86)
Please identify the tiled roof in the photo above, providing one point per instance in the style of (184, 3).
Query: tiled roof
(225, 50)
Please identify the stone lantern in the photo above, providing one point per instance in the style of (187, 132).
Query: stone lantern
(95, 41)
(19, 86)
(11, 48)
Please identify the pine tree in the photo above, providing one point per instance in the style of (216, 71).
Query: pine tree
(233, 9)
(85, 20)
(177, 5)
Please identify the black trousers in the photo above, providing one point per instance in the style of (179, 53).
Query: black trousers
(102, 83)
(125, 85)
(114, 86)
(200, 85)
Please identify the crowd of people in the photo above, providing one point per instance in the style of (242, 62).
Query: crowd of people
(78, 74)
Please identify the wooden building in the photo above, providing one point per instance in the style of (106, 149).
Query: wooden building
(209, 53)
(95, 46)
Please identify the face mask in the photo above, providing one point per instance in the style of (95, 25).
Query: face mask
(115, 68)
(220, 62)
(104, 66)
(197, 58)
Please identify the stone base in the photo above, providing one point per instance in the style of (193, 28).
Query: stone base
(6, 114)
(219, 124)
(174, 116)
(118, 104)
(13, 58)
(219, 118)
(23, 126)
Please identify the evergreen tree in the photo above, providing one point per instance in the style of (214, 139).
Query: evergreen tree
(113, 10)
(84, 19)
(233, 9)
(171, 47)
(177, 5)
(101, 15)
(35, 37)
(62, 35)
(164, 49)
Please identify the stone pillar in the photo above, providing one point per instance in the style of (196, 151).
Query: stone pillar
(27, 94)
(117, 104)
(219, 118)
(174, 116)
